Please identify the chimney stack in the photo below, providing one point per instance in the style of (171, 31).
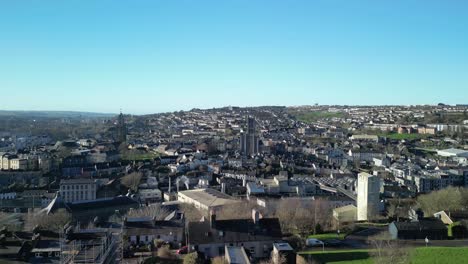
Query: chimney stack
(212, 219)
(255, 216)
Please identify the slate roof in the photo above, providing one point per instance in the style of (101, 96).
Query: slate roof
(227, 231)
(425, 224)
(102, 203)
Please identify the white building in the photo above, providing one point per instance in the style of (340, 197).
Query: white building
(206, 199)
(77, 190)
(453, 153)
(368, 196)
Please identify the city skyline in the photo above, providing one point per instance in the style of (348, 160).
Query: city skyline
(151, 57)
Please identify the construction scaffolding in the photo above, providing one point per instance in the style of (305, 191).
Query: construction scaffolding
(98, 246)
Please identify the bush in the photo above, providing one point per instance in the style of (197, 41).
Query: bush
(165, 253)
(192, 258)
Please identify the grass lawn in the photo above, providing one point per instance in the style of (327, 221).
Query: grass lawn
(328, 236)
(139, 156)
(397, 136)
(439, 255)
(434, 255)
(313, 116)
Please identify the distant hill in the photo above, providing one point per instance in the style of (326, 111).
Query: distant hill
(54, 114)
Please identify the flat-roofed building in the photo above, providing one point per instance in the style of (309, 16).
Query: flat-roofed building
(283, 253)
(370, 138)
(206, 199)
(236, 255)
(453, 153)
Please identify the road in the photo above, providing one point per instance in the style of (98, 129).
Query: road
(360, 240)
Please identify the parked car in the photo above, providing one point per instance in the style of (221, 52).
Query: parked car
(312, 242)
(182, 250)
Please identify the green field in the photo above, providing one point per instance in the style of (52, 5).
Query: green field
(435, 255)
(439, 255)
(314, 116)
(397, 136)
(130, 156)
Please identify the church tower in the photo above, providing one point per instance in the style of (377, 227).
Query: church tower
(121, 129)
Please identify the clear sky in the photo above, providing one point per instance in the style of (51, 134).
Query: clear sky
(165, 55)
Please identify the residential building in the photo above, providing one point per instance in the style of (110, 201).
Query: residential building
(433, 229)
(256, 235)
(145, 231)
(368, 196)
(78, 190)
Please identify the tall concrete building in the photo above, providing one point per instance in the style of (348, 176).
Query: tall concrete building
(249, 141)
(368, 196)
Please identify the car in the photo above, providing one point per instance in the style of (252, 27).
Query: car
(312, 242)
(182, 250)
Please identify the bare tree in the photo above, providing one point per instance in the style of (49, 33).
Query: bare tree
(53, 222)
(399, 208)
(166, 253)
(280, 259)
(302, 217)
(241, 210)
(219, 260)
(389, 251)
(301, 260)
(153, 211)
(132, 180)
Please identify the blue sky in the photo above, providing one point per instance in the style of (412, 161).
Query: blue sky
(166, 55)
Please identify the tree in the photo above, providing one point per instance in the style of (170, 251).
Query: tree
(302, 217)
(192, 258)
(165, 253)
(219, 260)
(53, 222)
(399, 208)
(132, 181)
(153, 211)
(388, 251)
(301, 260)
(241, 210)
(449, 199)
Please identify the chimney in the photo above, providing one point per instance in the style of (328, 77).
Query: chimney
(255, 216)
(212, 219)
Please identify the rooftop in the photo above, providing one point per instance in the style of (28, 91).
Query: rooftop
(209, 197)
